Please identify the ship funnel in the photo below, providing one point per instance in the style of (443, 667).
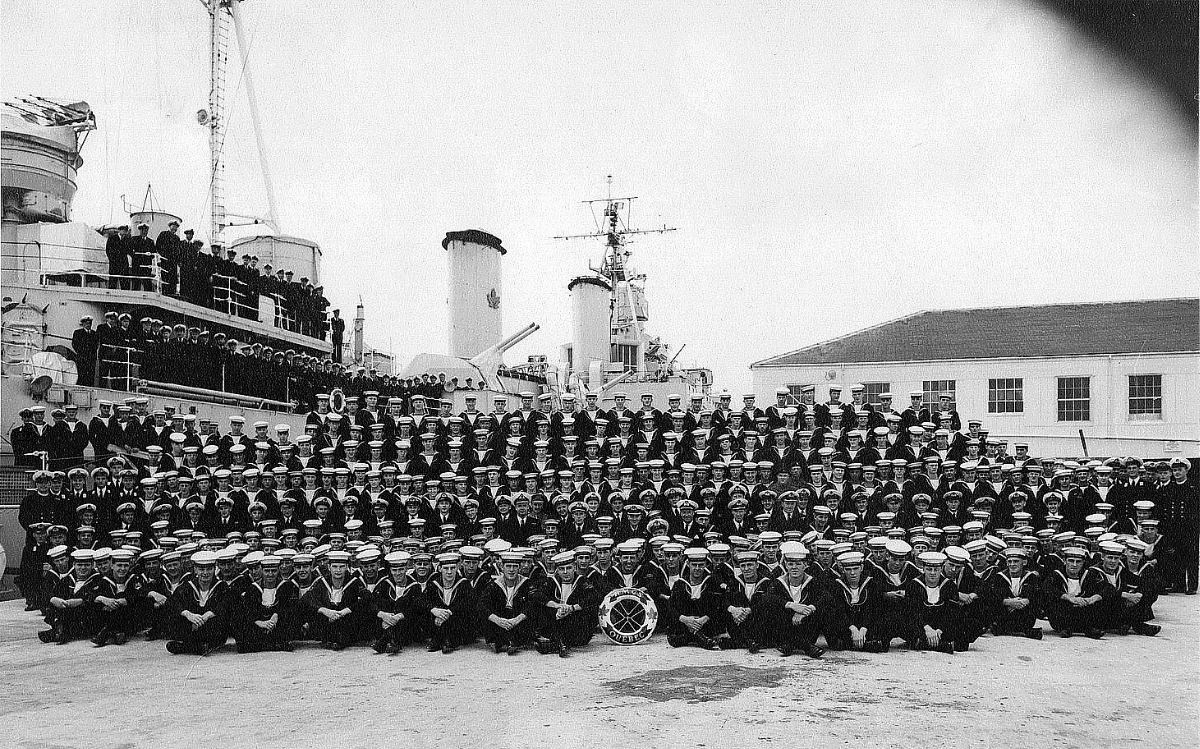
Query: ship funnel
(590, 333)
(475, 291)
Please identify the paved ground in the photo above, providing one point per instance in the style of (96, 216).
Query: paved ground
(1128, 692)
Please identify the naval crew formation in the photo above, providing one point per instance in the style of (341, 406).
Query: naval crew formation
(842, 526)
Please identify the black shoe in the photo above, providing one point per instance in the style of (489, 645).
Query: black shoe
(945, 647)
(433, 647)
(563, 651)
(46, 636)
(676, 642)
(1094, 633)
(787, 650)
(753, 647)
(544, 647)
(285, 647)
(31, 607)
(1122, 630)
(243, 648)
(1191, 592)
(874, 646)
(395, 648)
(120, 638)
(1148, 630)
(379, 646)
(337, 647)
(446, 649)
(177, 647)
(707, 643)
(1034, 633)
(961, 646)
(812, 651)
(513, 649)
(499, 648)
(153, 634)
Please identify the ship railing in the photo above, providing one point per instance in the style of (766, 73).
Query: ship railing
(230, 296)
(119, 366)
(285, 317)
(94, 280)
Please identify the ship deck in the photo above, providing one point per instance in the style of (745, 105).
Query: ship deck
(1009, 692)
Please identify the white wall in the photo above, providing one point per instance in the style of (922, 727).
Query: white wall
(1110, 431)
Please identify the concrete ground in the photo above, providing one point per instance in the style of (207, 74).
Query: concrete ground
(1120, 691)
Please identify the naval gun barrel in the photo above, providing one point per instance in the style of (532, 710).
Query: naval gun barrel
(504, 344)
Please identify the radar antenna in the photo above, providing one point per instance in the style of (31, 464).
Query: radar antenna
(613, 218)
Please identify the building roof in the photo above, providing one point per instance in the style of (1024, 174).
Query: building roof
(1153, 326)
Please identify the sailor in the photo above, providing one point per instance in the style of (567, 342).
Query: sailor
(141, 253)
(450, 599)
(805, 608)
(696, 599)
(506, 606)
(1075, 595)
(262, 614)
(855, 620)
(931, 600)
(334, 601)
(567, 605)
(201, 608)
(73, 612)
(86, 343)
(399, 605)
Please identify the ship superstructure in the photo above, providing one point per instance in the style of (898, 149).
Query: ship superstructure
(610, 344)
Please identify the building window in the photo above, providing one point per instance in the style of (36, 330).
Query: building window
(933, 389)
(1074, 399)
(794, 393)
(871, 391)
(1145, 397)
(1006, 395)
(626, 354)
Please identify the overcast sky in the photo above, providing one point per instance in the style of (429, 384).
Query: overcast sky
(829, 165)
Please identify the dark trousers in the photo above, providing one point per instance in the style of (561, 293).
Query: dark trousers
(77, 622)
(1184, 561)
(211, 634)
(1067, 617)
(522, 634)
(799, 636)
(341, 632)
(455, 632)
(1015, 621)
(574, 630)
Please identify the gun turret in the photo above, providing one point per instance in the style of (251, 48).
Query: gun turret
(489, 360)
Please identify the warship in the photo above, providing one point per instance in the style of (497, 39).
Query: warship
(55, 272)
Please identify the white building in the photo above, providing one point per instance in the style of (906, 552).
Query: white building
(1126, 374)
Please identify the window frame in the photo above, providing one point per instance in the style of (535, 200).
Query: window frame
(932, 405)
(1148, 416)
(880, 387)
(1020, 399)
(1059, 399)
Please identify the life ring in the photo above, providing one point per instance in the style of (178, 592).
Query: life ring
(628, 616)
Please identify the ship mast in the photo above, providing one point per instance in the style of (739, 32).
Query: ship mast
(222, 15)
(614, 226)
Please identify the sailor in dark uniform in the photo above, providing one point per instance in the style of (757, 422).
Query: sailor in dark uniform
(697, 599)
(505, 607)
(200, 608)
(567, 605)
(449, 599)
